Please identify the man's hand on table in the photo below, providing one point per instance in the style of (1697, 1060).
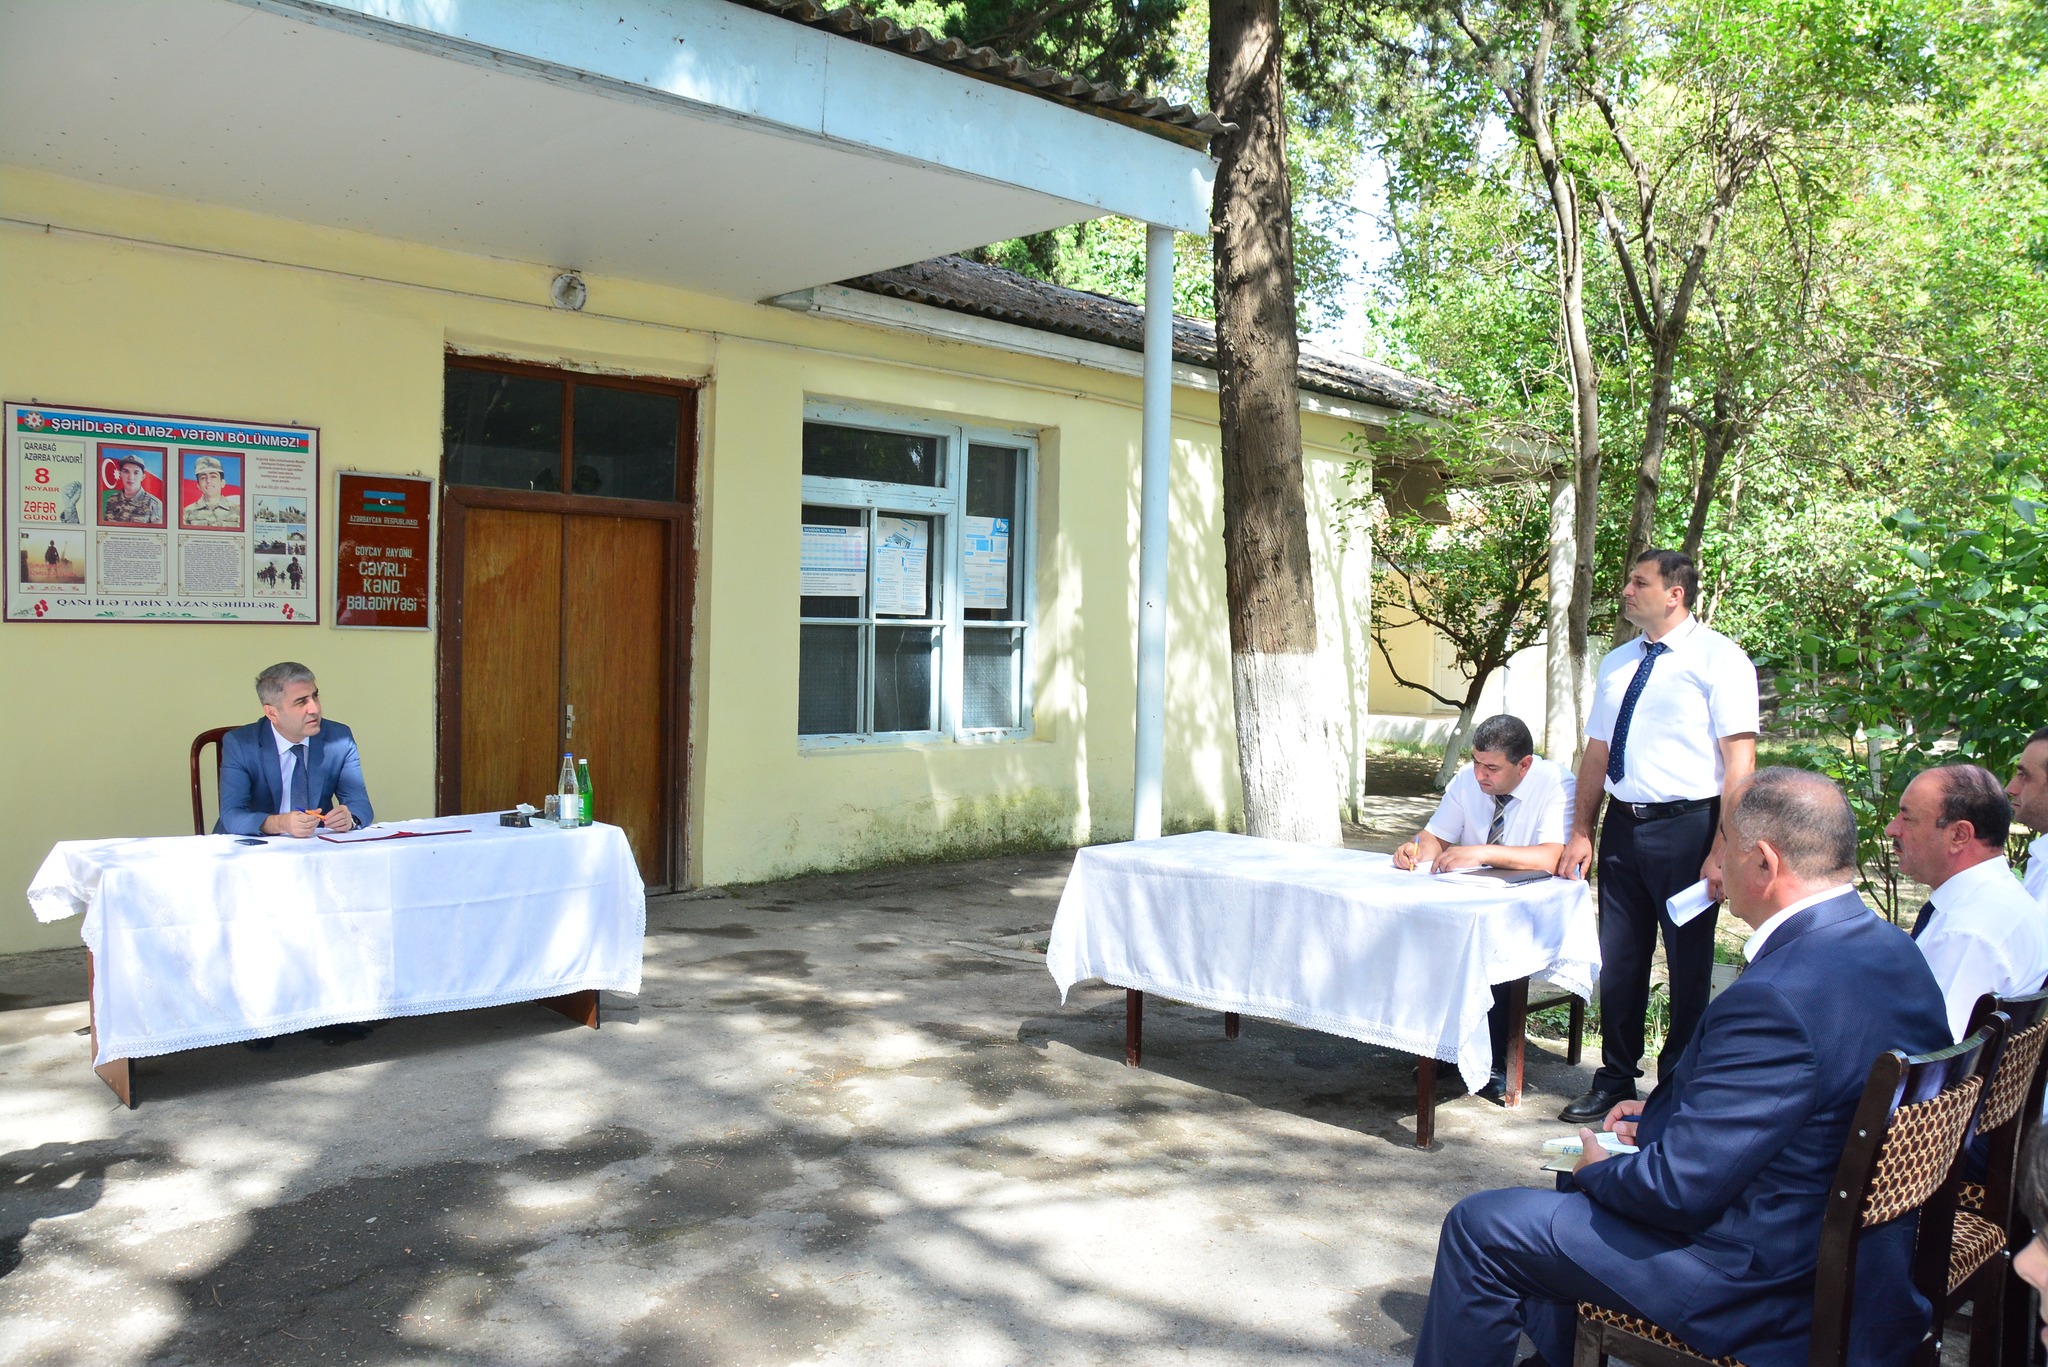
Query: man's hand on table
(298, 825)
(1578, 853)
(1455, 857)
(1405, 857)
(340, 819)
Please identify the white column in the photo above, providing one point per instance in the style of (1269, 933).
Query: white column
(1156, 446)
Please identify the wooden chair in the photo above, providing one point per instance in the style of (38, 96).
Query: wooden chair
(1909, 1127)
(1980, 1267)
(199, 743)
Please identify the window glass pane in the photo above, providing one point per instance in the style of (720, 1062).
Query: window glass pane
(828, 681)
(905, 667)
(502, 431)
(857, 453)
(818, 549)
(991, 666)
(625, 443)
(992, 575)
(904, 549)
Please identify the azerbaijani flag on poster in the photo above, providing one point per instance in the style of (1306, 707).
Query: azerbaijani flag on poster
(383, 501)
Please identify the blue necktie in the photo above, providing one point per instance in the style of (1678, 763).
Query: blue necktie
(1651, 650)
(1926, 915)
(1500, 818)
(302, 796)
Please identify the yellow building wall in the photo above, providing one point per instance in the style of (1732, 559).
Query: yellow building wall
(118, 300)
(1415, 650)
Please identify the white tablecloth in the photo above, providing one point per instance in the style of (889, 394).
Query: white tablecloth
(1333, 939)
(197, 940)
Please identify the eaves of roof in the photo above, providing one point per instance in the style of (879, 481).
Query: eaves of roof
(955, 283)
(1179, 123)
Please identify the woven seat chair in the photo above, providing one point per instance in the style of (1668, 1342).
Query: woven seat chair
(1987, 1224)
(1912, 1121)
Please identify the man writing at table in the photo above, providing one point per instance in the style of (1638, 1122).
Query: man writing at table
(293, 772)
(1712, 1229)
(1508, 809)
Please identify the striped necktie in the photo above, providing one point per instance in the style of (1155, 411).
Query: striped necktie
(1500, 818)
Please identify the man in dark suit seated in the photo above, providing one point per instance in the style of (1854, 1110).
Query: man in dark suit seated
(1712, 1229)
(293, 772)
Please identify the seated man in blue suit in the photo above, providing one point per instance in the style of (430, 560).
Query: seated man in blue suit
(1712, 1229)
(293, 772)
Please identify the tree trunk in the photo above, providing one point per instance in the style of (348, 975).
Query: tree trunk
(1532, 107)
(1290, 790)
(1461, 730)
(1715, 439)
(1560, 676)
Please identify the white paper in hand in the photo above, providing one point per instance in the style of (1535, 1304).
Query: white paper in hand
(1690, 903)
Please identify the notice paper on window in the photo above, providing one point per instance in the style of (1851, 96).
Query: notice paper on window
(902, 554)
(834, 562)
(985, 568)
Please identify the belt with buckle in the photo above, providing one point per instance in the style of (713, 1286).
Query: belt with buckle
(1660, 811)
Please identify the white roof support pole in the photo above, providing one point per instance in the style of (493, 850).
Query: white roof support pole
(1155, 451)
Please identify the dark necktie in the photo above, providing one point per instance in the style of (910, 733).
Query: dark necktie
(1500, 818)
(1926, 915)
(302, 796)
(1651, 650)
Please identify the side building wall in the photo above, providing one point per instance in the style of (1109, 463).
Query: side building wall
(127, 301)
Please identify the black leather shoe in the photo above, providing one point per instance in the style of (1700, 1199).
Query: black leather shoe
(1495, 1090)
(338, 1034)
(1596, 1103)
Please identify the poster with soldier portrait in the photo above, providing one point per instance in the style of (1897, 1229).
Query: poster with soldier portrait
(120, 516)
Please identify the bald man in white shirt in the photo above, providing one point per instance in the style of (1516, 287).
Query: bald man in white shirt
(1979, 930)
(2029, 793)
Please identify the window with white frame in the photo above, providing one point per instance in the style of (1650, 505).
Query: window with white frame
(916, 568)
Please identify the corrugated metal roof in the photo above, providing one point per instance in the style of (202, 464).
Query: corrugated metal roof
(954, 282)
(1181, 123)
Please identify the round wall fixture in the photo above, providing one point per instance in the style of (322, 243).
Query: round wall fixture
(567, 291)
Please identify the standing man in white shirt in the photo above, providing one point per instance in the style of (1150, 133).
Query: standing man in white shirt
(2029, 793)
(1979, 930)
(1507, 809)
(1673, 728)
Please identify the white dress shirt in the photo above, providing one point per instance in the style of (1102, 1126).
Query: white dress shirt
(1703, 689)
(2037, 870)
(284, 769)
(1754, 945)
(1539, 811)
(1986, 935)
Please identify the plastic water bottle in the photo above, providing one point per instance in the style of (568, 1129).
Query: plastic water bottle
(589, 793)
(571, 794)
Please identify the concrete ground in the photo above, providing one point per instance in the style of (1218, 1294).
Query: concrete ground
(845, 1122)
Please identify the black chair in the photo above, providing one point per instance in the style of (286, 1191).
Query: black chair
(1909, 1127)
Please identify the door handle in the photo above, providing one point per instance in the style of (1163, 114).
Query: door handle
(569, 726)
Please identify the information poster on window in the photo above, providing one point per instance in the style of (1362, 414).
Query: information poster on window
(118, 516)
(383, 565)
(834, 561)
(902, 558)
(985, 563)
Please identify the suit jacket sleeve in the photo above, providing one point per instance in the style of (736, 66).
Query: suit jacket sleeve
(349, 788)
(1754, 1083)
(238, 788)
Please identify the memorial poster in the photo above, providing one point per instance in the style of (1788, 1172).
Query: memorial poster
(120, 516)
(383, 564)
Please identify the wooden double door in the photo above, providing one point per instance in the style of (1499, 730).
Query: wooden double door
(566, 630)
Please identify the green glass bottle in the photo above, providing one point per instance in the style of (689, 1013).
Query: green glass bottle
(589, 794)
